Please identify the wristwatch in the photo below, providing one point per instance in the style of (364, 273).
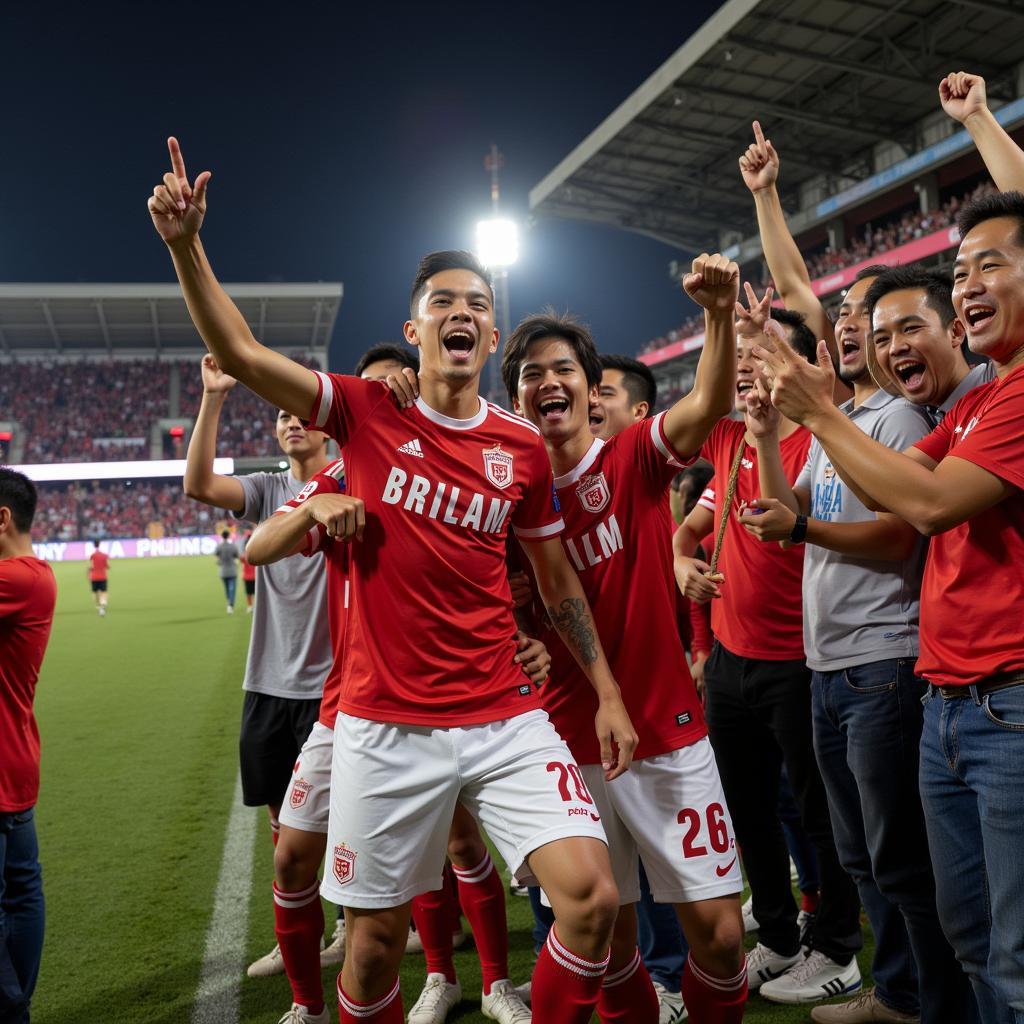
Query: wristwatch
(799, 532)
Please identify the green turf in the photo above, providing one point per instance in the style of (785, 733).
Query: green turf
(139, 716)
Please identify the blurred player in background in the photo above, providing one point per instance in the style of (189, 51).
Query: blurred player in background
(226, 553)
(99, 565)
(248, 575)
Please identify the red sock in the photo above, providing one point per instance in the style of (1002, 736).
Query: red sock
(628, 996)
(714, 1000)
(299, 926)
(386, 1010)
(432, 913)
(566, 985)
(482, 895)
(809, 900)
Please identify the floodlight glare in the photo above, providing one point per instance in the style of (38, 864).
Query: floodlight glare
(497, 242)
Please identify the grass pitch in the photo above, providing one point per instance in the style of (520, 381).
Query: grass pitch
(139, 714)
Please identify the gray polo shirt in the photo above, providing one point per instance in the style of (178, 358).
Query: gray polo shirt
(290, 646)
(227, 559)
(983, 373)
(857, 611)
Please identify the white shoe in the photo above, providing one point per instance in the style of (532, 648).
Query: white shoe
(503, 1004)
(749, 921)
(436, 1000)
(794, 873)
(525, 991)
(267, 966)
(298, 1014)
(414, 944)
(764, 964)
(815, 978)
(102, 611)
(670, 1005)
(248, 609)
(515, 889)
(335, 952)
(231, 609)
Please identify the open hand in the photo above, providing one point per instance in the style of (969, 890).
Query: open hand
(178, 208)
(405, 386)
(614, 729)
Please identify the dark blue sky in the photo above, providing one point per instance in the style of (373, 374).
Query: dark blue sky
(345, 141)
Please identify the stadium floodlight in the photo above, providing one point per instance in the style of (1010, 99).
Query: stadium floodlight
(497, 242)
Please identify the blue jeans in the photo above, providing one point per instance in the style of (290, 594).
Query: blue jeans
(22, 914)
(543, 919)
(230, 585)
(799, 844)
(663, 947)
(867, 730)
(972, 788)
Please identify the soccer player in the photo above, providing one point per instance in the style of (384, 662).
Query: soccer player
(289, 649)
(226, 553)
(614, 498)
(28, 593)
(248, 575)
(757, 692)
(96, 571)
(379, 362)
(439, 714)
(961, 485)
(627, 394)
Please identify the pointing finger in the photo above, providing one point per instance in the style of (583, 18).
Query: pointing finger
(177, 160)
(759, 135)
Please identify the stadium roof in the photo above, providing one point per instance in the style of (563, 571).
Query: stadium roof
(128, 319)
(829, 79)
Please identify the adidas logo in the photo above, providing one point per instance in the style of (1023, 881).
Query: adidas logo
(412, 448)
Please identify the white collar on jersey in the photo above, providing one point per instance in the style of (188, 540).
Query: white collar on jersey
(581, 467)
(449, 421)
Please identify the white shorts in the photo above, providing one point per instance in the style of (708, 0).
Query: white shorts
(307, 801)
(389, 823)
(669, 811)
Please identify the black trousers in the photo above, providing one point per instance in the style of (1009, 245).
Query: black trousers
(759, 717)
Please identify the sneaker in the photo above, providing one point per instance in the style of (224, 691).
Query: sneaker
(862, 1009)
(438, 997)
(670, 1005)
(525, 991)
(815, 978)
(515, 889)
(503, 1004)
(749, 921)
(231, 611)
(335, 952)
(805, 922)
(794, 872)
(268, 965)
(764, 964)
(298, 1014)
(414, 944)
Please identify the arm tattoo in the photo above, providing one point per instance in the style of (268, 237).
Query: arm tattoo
(573, 623)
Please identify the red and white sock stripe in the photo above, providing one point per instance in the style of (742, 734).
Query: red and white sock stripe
(573, 962)
(294, 900)
(733, 984)
(366, 1009)
(477, 874)
(623, 974)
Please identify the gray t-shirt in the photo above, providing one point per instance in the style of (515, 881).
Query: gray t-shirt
(290, 646)
(983, 373)
(227, 559)
(857, 611)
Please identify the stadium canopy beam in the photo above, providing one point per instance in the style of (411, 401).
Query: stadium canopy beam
(679, 182)
(3, 342)
(54, 333)
(991, 7)
(154, 320)
(318, 312)
(101, 316)
(263, 321)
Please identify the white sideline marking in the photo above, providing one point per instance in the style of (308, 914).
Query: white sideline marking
(220, 979)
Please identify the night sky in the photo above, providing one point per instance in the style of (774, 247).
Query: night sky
(345, 141)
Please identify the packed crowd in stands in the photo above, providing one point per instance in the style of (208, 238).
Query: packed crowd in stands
(873, 241)
(119, 508)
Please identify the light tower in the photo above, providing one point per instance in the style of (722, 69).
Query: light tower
(497, 245)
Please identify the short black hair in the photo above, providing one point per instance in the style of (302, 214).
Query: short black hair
(700, 473)
(801, 336)
(18, 493)
(224, 534)
(937, 285)
(549, 324)
(96, 543)
(874, 270)
(402, 354)
(446, 259)
(637, 379)
(1000, 204)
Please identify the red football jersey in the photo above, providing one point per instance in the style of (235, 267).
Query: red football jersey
(430, 634)
(972, 594)
(330, 480)
(618, 534)
(760, 612)
(28, 593)
(98, 566)
(248, 571)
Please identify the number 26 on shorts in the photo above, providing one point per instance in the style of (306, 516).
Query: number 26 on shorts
(717, 832)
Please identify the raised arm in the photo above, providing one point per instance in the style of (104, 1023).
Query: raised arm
(714, 284)
(570, 614)
(963, 97)
(177, 209)
(200, 482)
(287, 533)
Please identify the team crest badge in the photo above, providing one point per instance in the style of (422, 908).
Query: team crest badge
(498, 466)
(344, 864)
(593, 492)
(299, 792)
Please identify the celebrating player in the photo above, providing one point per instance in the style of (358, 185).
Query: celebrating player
(434, 719)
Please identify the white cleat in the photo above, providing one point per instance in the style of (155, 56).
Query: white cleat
(813, 979)
(670, 1005)
(436, 1001)
(267, 966)
(504, 1005)
(334, 953)
(764, 965)
(414, 944)
(298, 1014)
